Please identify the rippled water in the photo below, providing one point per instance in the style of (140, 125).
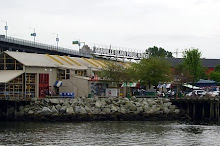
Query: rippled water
(108, 133)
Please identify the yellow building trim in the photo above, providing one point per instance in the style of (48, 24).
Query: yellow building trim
(90, 62)
(96, 61)
(125, 64)
(72, 60)
(54, 59)
(64, 60)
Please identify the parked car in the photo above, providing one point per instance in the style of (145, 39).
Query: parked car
(213, 93)
(198, 93)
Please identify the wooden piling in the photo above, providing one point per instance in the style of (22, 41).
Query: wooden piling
(194, 111)
(217, 111)
(188, 110)
(203, 111)
(211, 110)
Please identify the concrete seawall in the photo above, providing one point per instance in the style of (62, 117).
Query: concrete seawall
(96, 109)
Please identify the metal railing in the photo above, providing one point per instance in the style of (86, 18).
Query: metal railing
(42, 46)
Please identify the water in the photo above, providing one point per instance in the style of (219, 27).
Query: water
(108, 133)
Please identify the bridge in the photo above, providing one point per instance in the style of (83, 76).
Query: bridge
(15, 44)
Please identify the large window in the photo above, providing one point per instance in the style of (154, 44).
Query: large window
(63, 74)
(9, 63)
(14, 88)
(80, 72)
(30, 84)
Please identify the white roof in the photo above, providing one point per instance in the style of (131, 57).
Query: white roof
(8, 75)
(45, 60)
(32, 59)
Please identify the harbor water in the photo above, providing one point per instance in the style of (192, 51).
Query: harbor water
(108, 133)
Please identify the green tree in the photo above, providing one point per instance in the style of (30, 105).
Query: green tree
(159, 52)
(151, 71)
(114, 72)
(193, 63)
(181, 74)
(215, 76)
(217, 68)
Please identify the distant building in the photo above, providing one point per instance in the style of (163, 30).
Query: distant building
(210, 64)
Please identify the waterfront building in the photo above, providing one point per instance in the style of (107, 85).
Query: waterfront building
(28, 75)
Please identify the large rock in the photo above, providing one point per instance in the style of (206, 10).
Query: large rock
(114, 108)
(54, 101)
(54, 110)
(58, 107)
(21, 108)
(66, 103)
(69, 110)
(63, 109)
(30, 112)
(98, 104)
(96, 111)
(80, 110)
(88, 109)
(123, 110)
(106, 110)
(46, 111)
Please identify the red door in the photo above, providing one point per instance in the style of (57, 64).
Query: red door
(43, 85)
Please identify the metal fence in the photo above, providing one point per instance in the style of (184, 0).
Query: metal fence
(42, 46)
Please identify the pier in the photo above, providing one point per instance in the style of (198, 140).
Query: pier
(199, 109)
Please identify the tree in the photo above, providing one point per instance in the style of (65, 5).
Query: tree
(215, 76)
(159, 52)
(182, 75)
(193, 63)
(217, 68)
(151, 71)
(114, 72)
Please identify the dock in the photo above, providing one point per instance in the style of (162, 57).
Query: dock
(203, 109)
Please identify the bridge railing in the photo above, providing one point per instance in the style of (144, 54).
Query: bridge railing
(42, 46)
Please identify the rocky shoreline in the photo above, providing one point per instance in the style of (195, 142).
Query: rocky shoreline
(82, 108)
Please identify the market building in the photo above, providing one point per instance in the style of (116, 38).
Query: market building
(27, 75)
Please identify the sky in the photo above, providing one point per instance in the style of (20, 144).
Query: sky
(132, 25)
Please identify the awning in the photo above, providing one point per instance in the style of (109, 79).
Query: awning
(129, 85)
(190, 86)
(58, 83)
(164, 86)
(8, 75)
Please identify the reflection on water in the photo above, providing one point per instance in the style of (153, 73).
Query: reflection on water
(108, 133)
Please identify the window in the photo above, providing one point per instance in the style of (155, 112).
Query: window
(9, 63)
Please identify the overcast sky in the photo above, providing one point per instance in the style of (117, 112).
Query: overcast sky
(129, 24)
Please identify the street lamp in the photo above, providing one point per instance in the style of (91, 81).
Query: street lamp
(6, 28)
(33, 34)
(57, 40)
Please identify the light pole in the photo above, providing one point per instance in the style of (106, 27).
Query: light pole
(34, 34)
(6, 28)
(57, 40)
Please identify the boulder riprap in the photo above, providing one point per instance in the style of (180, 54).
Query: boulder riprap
(99, 108)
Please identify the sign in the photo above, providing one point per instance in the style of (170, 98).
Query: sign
(33, 34)
(119, 53)
(111, 92)
(75, 42)
(129, 85)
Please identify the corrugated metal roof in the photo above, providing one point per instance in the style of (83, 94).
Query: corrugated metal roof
(8, 75)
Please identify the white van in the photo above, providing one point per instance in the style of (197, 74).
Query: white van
(199, 93)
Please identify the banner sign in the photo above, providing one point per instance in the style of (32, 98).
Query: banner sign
(118, 53)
